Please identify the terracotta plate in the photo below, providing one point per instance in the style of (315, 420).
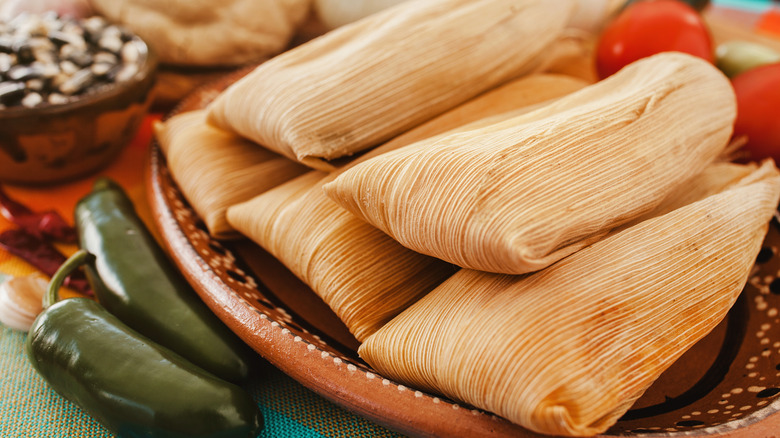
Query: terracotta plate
(727, 384)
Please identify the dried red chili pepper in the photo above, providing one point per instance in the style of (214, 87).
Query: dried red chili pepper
(42, 255)
(45, 225)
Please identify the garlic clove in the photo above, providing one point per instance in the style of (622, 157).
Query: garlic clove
(21, 300)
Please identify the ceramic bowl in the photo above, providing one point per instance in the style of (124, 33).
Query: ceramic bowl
(54, 143)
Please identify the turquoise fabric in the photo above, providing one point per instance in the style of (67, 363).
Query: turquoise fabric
(30, 409)
(277, 424)
(747, 5)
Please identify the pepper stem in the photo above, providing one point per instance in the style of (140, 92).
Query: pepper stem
(78, 258)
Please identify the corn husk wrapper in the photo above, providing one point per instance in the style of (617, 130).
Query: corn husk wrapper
(203, 33)
(568, 350)
(216, 169)
(515, 98)
(363, 275)
(516, 196)
(369, 81)
(335, 13)
(716, 178)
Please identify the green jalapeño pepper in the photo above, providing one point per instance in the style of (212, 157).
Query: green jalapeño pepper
(131, 385)
(135, 281)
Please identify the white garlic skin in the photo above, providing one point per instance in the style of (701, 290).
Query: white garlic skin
(21, 300)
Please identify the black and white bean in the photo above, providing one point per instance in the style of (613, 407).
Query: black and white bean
(32, 99)
(11, 92)
(46, 59)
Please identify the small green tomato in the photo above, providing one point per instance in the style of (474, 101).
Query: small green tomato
(735, 57)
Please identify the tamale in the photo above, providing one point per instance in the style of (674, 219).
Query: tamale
(517, 97)
(567, 350)
(206, 34)
(216, 169)
(363, 275)
(516, 196)
(716, 178)
(366, 82)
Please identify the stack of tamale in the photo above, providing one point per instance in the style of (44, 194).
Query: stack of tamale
(543, 251)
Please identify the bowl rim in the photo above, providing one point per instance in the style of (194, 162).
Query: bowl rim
(146, 71)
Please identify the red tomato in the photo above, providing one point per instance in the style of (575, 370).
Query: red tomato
(769, 22)
(649, 27)
(758, 111)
